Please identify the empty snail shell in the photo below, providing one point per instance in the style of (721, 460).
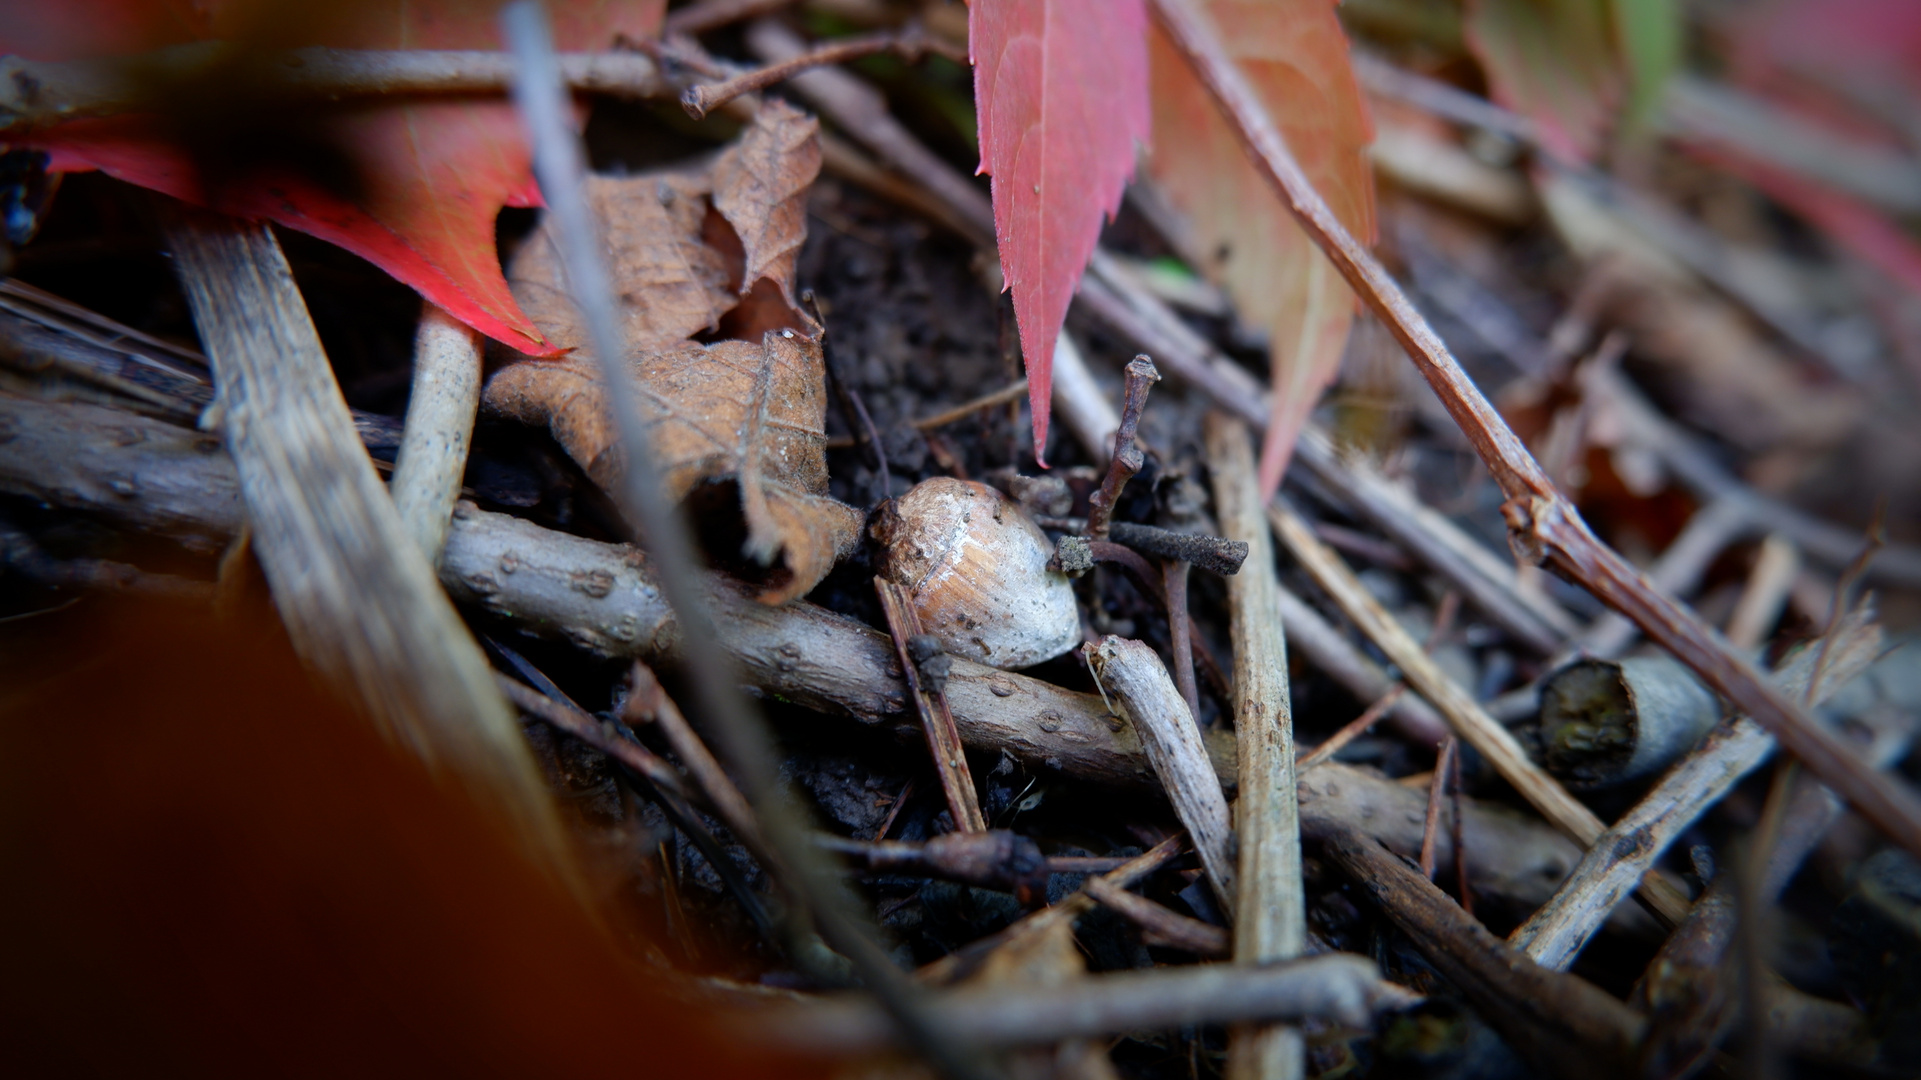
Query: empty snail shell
(976, 566)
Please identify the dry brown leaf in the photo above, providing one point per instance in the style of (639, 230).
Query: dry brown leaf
(694, 253)
(734, 410)
(760, 187)
(670, 284)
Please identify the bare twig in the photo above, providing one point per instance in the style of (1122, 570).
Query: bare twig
(1354, 728)
(1126, 459)
(1273, 922)
(1159, 925)
(648, 703)
(1619, 857)
(995, 859)
(911, 45)
(358, 599)
(559, 163)
(1436, 788)
(1180, 632)
(1336, 986)
(36, 94)
(1540, 519)
(937, 718)
(440, 424)
(1131, 673)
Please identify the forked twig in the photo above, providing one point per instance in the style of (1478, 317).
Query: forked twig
(1127, 459)
(911, 45)
(1541, 521)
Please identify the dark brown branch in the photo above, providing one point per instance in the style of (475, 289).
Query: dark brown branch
(1436, 788)
(1562, 1025)
(1541, 520)
(1127, 459)
(1159, 925)
(648, 703)
(995, 859)
(1180, 633)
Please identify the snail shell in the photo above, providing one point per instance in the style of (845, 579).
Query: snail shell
(976, 566)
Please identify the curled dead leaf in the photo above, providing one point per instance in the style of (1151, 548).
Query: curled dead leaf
(694, 253)
(753, 414)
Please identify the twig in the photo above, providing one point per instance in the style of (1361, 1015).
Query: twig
(648, 703)
(1628, 849)
(995, 859)
(1126, 459)
(1159, 925)
(1461, 877)
(1541, 521)
(861, 111)
(559, 163)
(440, 424)
(1562, 1025)
(911, 45)
(1466, 717)
(359, 601)
(1131, 673)
(1354, 728)
(1273, 921)
(1436, 788)
(937, 718)
(1180, 632)
(1337, 986)
(38, 94)
(1222, 556)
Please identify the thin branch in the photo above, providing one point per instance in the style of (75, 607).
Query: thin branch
(38, 94)
(1540, 519)
(1354, 729)
(1180, 632)
(1436, 788)
(1160, 925)
(1273, 905)
(1337, 986)
(648, 703)
(1126, 459)
(440, 425)
(910, 45)
(937, 718)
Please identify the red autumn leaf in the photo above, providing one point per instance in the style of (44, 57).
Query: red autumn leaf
(1060, 88)
(1295, 55)
(433, 174)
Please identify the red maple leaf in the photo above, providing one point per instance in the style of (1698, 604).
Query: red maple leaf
(432, 174)
(1060, 87)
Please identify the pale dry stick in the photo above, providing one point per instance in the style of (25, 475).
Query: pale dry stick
(560, 165)
(911, 45)
(1765, 593)
(1273, 922)
(1620, 856)
(1337, 986)
(358, 599)
(38, 94)
(1541, 521)
(1436, 788)
(648, 703)
(1132, 674)
(440, 425)
(937, 717)
(1469, 721)
(505, 568)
